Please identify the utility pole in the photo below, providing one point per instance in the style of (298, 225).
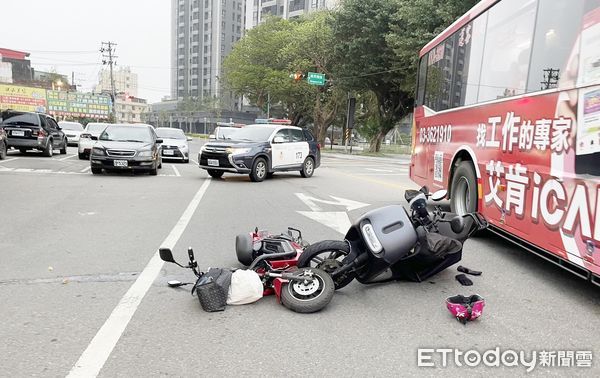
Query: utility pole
(108, 55)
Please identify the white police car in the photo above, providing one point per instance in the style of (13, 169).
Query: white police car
(260, 150)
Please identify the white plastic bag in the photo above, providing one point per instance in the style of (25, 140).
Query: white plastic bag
(246, 287)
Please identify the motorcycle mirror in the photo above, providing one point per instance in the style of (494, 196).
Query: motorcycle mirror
(424, 190)
(439, 195)
(166, 255)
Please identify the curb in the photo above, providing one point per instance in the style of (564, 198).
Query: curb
(399, 159)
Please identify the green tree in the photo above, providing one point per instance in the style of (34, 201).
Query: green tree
(378, 44)
(255, 67)
(310, 51)
(417, 22)
(366, 62)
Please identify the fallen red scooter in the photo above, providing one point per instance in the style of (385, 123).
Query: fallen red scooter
(303, 290)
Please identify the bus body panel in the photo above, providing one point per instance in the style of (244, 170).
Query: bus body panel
(548, 201)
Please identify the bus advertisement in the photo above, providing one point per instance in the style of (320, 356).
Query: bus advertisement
(507, 119)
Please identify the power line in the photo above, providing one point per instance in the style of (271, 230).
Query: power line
(62, 52)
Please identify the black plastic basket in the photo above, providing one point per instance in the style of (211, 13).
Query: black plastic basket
(212, 297)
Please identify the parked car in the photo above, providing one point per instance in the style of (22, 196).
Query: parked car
(261, 150)
(126, 147)
(3, 143)
(92, 129)
(72, 131)
(33, 131)
(175, 144)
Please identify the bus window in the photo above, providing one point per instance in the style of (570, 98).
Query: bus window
(439, 89)
(421, 81)
(557, 27)
(507, 49)
(474, 38)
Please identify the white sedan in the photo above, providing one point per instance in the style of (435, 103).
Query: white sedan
(175, 144)
(72, 131)
(86, 143)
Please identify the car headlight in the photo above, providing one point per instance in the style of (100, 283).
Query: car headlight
(183, 148)
(98, 151)
(237, 151)
(203, 149)
(145, 153)
(371, 238)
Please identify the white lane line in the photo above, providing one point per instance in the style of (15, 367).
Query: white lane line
(66, 157)
(94, 357)
(379, 170)
(195, 162)
(381, 174)
(176, 170)
(85, 169)
(7, 160)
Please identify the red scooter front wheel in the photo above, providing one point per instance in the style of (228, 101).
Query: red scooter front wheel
(310, 295)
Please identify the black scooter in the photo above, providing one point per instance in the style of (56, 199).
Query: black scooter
(390, 244)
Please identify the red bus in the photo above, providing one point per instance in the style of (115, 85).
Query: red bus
(507, 119)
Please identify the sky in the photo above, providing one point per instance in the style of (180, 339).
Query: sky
(66, 35)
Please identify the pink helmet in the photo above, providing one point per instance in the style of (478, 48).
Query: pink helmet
(465, 308)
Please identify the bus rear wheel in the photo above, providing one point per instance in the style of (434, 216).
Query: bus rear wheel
(464, 189)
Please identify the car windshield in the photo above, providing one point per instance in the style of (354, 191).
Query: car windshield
(126, 134)
(254, 133)
(70, 126)
(170, 133)
(26, 119)
(225, 132)
(96, 127)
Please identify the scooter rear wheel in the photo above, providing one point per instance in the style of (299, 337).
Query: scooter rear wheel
(327, 255)
(311, 295)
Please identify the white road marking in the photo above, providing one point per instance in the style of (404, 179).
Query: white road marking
(348, 204)
(85, 169)
(195, 162)
(381, 174)
(176, 170)
(66, 157)
(94, 357)
(7, 160)
(337, 220)
(378, 170)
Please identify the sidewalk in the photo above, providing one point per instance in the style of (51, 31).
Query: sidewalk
(388, 158)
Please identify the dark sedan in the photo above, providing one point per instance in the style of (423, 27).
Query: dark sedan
(126, 147)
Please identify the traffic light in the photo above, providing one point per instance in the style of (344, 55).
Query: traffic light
(299, 75)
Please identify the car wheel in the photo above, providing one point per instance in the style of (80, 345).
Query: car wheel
(49, 150)
(3, 150)
(23, 150)
(96, 171)
(63, 149)
(308, 168)
(81, 156)
(214, 173)
(154, 171)
(259, 170)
